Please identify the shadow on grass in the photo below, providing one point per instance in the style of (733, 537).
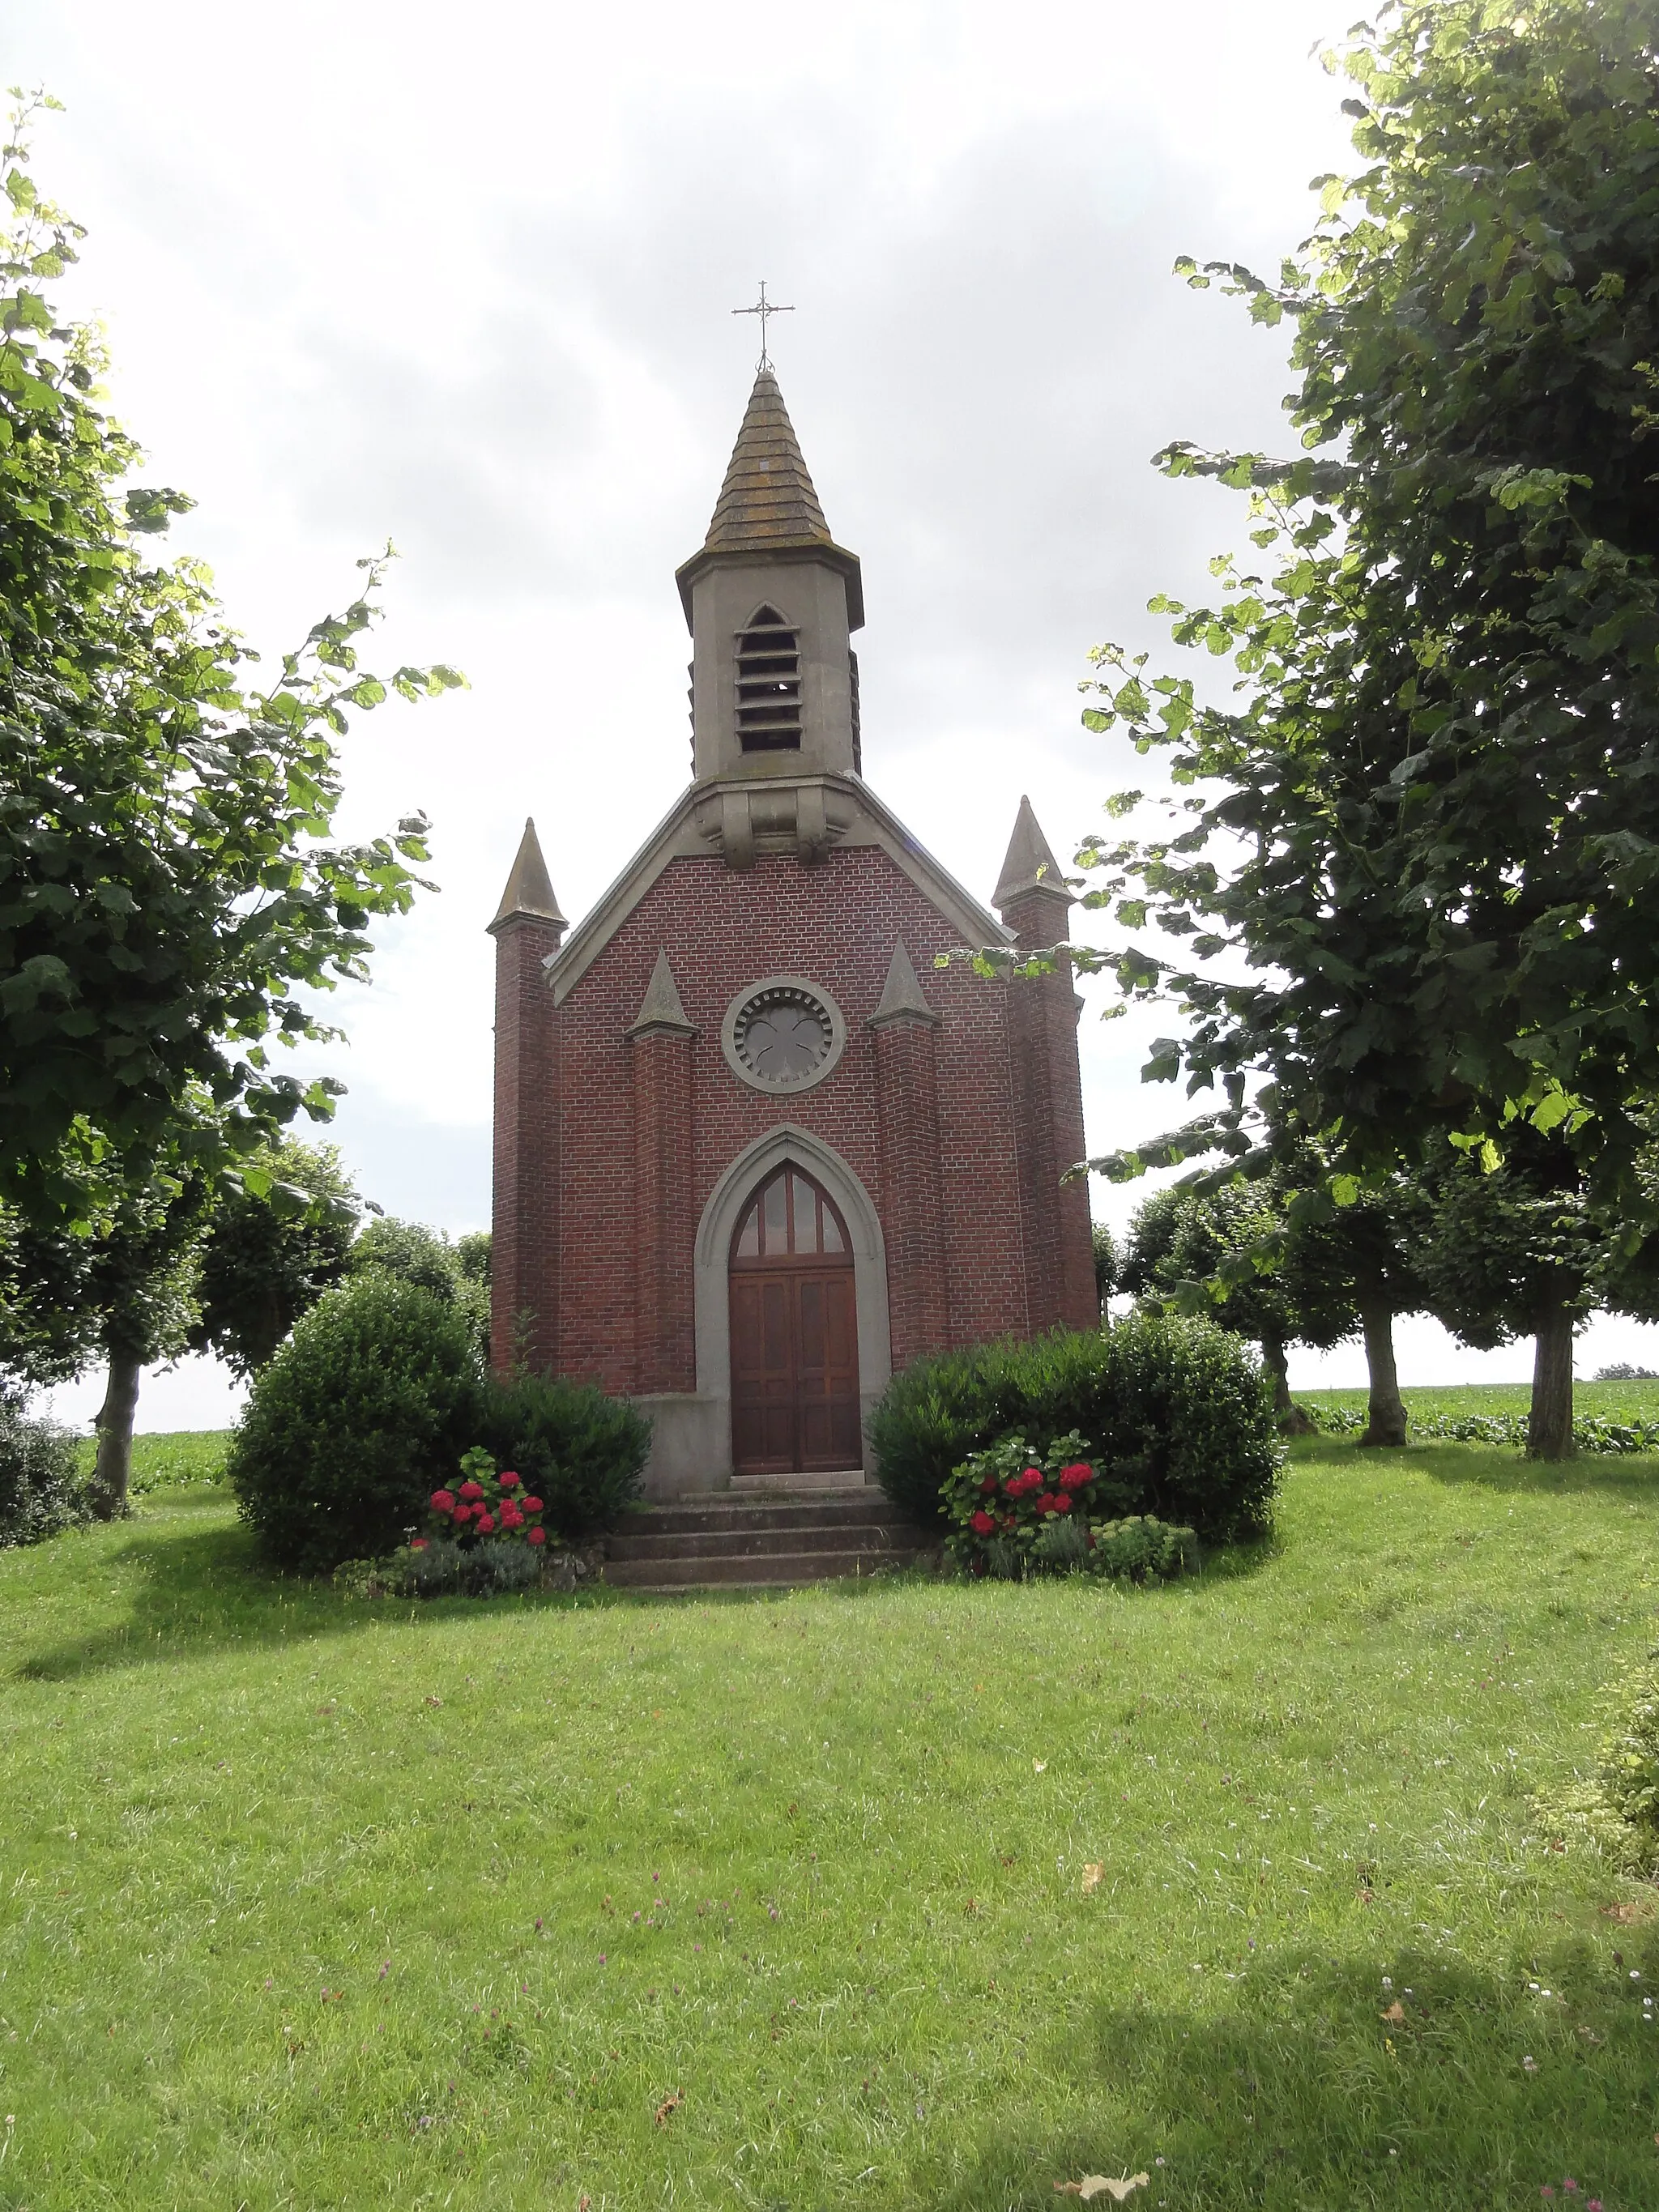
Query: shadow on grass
(1631, 1475)
(195, 1591)
(1296, 2091)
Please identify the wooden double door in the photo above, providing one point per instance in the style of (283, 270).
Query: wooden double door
(794, 1333)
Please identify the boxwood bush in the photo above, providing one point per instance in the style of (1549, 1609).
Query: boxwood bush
(367, 1408)
(354, 1423)
(40, 1491)
(1174, 1407)
(582, 1454)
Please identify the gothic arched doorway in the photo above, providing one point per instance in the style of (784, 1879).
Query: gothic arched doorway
(794, 1333)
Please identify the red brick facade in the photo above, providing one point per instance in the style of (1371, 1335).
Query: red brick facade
(608, 1147)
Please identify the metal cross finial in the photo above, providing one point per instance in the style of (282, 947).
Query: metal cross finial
(763, 308)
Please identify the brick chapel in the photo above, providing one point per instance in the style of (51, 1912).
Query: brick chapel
(754, 1150)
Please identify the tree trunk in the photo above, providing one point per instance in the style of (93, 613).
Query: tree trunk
(114, 1427)
(1385, 1422)
(1290, 1416)
(1549, 1425)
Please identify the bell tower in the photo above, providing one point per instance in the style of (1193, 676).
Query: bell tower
(772, 602)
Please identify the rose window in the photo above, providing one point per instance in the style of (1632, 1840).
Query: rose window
(784, 1034)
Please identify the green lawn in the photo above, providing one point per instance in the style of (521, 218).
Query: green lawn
(308, 1904)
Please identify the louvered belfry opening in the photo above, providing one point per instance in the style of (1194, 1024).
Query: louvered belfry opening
(769, 684)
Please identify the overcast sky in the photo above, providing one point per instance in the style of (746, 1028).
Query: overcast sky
(462, 278)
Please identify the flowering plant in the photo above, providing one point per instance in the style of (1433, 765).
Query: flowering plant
(1006, 1495)
(485, 1504)
(1016, 1512)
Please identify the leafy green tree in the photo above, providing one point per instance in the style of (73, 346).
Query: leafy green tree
(1516, 1251)
(1427, 838)
(1107, 1261)
(118, 1290)
(1513, 1253)
(170, 898)
(1285, 1266)
(1352, 1269)
(279, 1236)
(1206, 1250)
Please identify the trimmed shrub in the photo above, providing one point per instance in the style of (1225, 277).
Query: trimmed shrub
(41, 1493)
(354, 1423)
(456, 1274)
(1173, 1410)
(581, 1453)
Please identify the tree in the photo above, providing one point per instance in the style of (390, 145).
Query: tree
(1516, 1251)
(119, 1291)
(1277, 1261)
(1107, 1261)
(1513, 1253)
(280, 1234)
(169, 896)
(1428, 842)
(1354, 1267)
(1206, 1250)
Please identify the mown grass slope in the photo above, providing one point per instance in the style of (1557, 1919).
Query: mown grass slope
(314, 1905)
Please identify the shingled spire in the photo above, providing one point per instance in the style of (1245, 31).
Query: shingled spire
(768, 508)
(767, 499)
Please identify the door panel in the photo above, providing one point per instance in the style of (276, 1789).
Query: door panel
(795, 1368)
(827, 1386)
(762, 1373)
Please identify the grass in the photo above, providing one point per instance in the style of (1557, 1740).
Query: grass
(310, 1904)
(162, 1461)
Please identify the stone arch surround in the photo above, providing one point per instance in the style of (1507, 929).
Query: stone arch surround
(711, 1297)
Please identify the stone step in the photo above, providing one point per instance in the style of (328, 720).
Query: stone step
(794, 1486)
(720, 1516)
(799, 1537)
(774, 1570)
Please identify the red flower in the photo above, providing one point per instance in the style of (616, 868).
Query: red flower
(472, 1490)
(1060, 1502)
(533, 1506)
(511, 1517)
(443, 1501)
(1047, 1504)
(989, 1483)
(536, 1536)
(1022, 1485)
(486, 1523)
(463, 1513)
(1074, 1478)
(982, 1523)
(507, 1482)
(417, 1544)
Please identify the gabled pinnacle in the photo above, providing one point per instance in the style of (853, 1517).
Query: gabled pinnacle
(529, 893)
(767, 498)
(661, 1013)
(902, 999)
(1030, 865)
